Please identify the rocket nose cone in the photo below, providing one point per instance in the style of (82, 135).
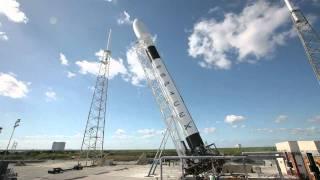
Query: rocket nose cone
(139, 29)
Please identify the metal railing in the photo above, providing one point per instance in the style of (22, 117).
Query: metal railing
(243, 157)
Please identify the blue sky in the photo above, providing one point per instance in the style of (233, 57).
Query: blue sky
(239, 66)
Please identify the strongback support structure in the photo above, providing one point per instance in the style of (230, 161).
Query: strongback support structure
(14, 146)
(181, 127)
(158, 155)
(93, 138)
(308, 36)
(161, 98)
(168, 88)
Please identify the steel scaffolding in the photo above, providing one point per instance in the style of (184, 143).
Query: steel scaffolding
(310, 39)
(93, 138)
(162, 99)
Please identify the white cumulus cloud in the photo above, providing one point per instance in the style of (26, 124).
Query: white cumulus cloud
(92, 67)
(50, 95)
(53, 20)
(71, 74)
(63, 60)
(3, 36)
(112, 1)
(11, 87)
(137, 75)
(120, 134)
(281, 118)
(231, 119)
(209, 130)
(11, 9)
(295, 131)
(88, 67)
(148, 133)
(315, 119)
(124, 18)
(248, 36)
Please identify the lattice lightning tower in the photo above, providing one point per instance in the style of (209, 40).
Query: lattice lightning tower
(93, 138)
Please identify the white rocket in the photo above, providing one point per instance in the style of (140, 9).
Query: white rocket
(293, 10)
(193, 137)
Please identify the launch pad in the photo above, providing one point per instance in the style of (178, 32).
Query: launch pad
(194, 158)
(170, 167)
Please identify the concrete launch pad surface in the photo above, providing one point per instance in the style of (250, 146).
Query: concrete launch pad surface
(39, 171)
(121, 171)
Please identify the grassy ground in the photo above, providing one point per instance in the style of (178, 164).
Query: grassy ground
(118, 155)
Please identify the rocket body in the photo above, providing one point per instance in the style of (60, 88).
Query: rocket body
(293, 10)
(289, 5)
(193, 137)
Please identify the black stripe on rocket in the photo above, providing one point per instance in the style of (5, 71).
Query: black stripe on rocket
(153, 53)
(194, 140)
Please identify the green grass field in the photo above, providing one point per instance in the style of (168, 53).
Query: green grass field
(118, 155)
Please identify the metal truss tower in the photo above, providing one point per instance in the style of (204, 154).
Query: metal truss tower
(93, 137)
(308, 36)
